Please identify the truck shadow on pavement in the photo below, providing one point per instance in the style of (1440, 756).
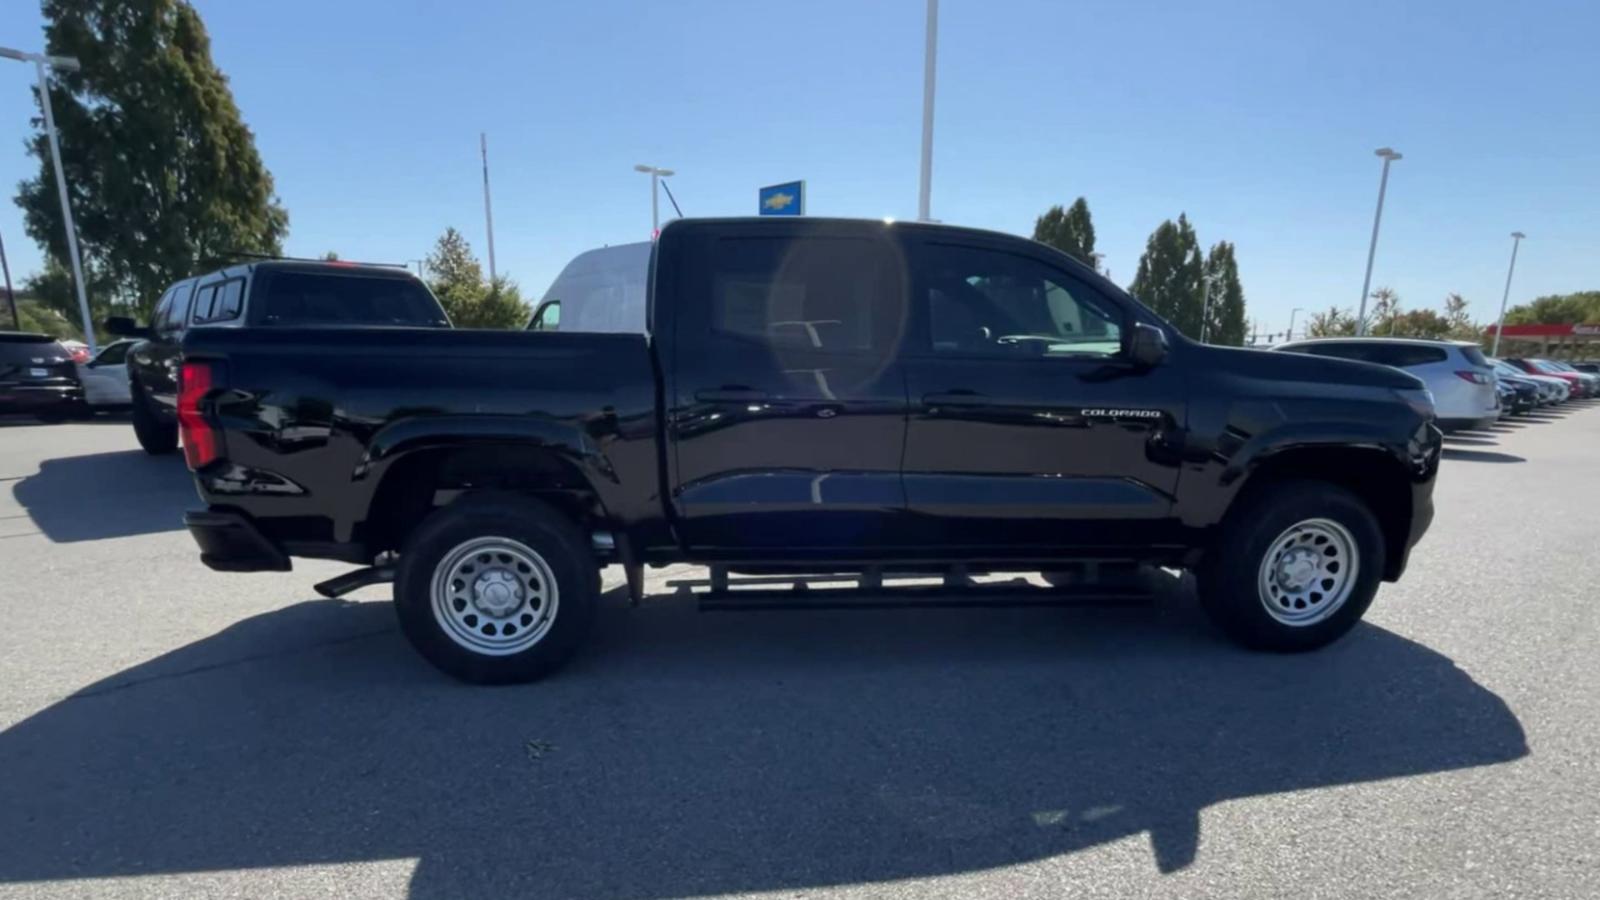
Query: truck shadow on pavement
(690, 753)
(106, 495)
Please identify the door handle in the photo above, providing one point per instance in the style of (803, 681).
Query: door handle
(732, 393)
(960, 397)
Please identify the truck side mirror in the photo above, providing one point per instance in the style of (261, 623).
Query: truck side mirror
(123, 326)
(1147, 345)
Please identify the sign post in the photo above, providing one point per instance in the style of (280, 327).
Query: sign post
(787, 199)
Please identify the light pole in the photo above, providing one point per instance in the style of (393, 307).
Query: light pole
(1516, 239)
(488, 213)
(929, 56)
(1389, 156)
(1292, 313)
(656, 173)
(1205, 308)
(42, 64)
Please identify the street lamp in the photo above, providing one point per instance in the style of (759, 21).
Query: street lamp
(1292, 313)
(43, 64)
(1205, 308)
(930, 52)
(1516, 239)
(1389, 156)
(656, 173)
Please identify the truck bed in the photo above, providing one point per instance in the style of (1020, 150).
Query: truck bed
(315, 420)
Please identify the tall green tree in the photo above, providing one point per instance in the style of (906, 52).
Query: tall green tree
(1335, 322)
(1557, 309)
(1169, 276)
(1385, 303)
(164, 175)
(1226, 325)
(456, 278)
(1069, 230)
(1461, 327)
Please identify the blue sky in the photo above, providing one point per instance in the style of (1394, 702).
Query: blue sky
(1256, 118)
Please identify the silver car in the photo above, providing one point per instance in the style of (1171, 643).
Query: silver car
(1457, 373)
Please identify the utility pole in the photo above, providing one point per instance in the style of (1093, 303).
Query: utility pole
(16, 320)
(488, 212)
(1292, 313)
(929, 57)
(1205, 308)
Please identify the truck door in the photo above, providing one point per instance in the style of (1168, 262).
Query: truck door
(786, 399)
(1030, 431)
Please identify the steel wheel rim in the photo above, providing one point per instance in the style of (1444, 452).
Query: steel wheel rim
(494, 596)
(1308, 572)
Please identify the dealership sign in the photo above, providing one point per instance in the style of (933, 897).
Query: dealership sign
(787, 199)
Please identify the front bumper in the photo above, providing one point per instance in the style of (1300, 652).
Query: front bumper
(230, 542)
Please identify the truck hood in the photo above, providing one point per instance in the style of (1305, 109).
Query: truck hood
(1289, 366)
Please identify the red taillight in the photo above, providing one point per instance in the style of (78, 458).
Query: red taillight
(1474, 377)
(201, 443)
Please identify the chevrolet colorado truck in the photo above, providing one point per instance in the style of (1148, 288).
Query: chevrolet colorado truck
(765, 394)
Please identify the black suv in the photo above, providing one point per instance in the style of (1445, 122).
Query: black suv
(38, 376)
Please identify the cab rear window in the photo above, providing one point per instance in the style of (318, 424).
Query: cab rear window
(317, 299)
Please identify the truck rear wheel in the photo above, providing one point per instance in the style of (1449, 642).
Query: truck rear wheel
(156, 438)
(1295, 567)
(496, 590)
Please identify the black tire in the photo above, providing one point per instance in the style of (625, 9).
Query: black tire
(558, 544)
(156, 437)
(1228, 579)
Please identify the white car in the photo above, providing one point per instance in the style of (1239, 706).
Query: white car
(105, 378)
(1457, 373)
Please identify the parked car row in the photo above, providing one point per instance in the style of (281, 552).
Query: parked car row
(1469, 389)
(54, 380)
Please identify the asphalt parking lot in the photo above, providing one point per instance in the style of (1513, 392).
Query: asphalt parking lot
(168, 731)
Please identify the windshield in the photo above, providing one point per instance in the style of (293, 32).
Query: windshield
(324, 299)
(1545, 365)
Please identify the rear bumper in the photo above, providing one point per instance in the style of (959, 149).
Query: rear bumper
(230, 542)
(34, 398)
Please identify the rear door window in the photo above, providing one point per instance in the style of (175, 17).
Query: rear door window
(1475, 356)
(222, 303)
(810, 294)
(336, 299)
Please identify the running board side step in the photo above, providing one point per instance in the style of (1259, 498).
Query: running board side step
(349, 581)
(915, 598)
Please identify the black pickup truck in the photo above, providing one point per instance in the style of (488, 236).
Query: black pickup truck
(823, 393)
(268, 293)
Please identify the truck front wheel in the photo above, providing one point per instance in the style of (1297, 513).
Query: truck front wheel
(1296, 566)
(496, 590)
